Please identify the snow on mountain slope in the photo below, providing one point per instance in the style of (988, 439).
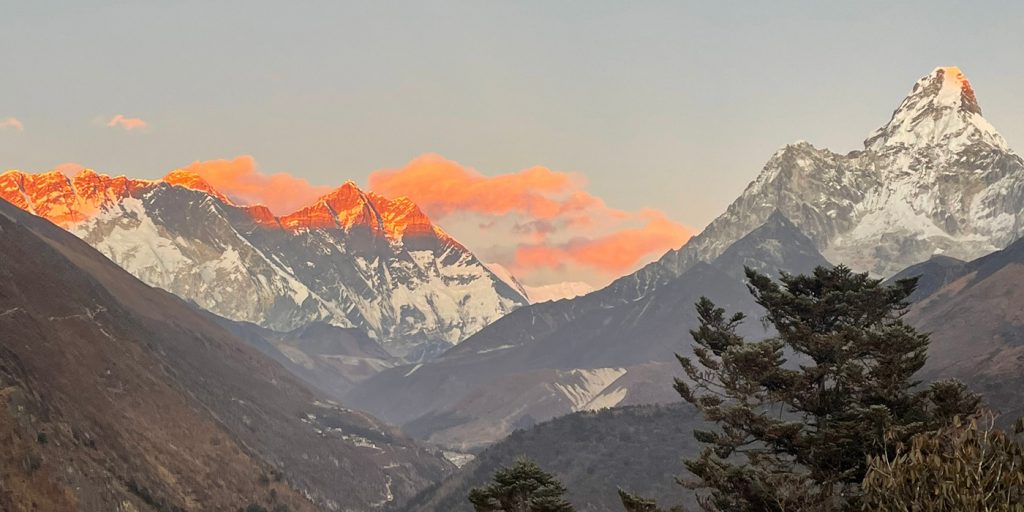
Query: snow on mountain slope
(586, 385)
(558, 291)
(543, 293)
(352, 259)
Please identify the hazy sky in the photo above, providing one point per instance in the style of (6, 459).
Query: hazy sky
(671, 106)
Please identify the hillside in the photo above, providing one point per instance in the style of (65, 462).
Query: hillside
(119, 396)
(637, 448)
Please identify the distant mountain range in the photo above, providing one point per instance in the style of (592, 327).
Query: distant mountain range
(351, 259)
(542, 293)
(935, 179)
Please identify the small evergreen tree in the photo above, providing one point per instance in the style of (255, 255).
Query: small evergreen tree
(797, 436)
(522, 487)
(967, 465)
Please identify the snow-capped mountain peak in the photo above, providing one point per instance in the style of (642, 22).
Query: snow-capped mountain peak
(66, 201)
(937, 178)
(189, 179)
(941, 110)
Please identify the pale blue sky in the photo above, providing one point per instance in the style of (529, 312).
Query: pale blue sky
(671, 105)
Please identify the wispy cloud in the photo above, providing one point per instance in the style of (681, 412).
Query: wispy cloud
(127, 123)
(12, 123)
(613, 253)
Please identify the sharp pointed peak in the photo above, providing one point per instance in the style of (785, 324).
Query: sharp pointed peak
(941, 110)
(194, 181)
(348, 188)
(84, 171)
(950, 87)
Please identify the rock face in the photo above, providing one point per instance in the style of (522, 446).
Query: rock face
(351, 259)
(118, 396)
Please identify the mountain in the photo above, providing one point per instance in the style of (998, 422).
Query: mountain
(351, 259)
(484, 388)
(976, 321)
(936, 179)
(932, 275)
(119, 396)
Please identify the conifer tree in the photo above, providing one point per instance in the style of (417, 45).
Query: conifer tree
(522, 487)
(797, 415)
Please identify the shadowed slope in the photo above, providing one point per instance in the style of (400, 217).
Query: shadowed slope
(142, 400)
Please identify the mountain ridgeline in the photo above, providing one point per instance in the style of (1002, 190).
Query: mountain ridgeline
(351, 259)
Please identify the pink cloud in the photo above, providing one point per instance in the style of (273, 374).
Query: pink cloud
(613, 253)
(127, 123)
(13, 123)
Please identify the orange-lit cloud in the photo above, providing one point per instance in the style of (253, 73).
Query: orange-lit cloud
(441, 187)
(12, 123)
(127, 123)
(556, 224)
(614, 253)
(241, 180)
